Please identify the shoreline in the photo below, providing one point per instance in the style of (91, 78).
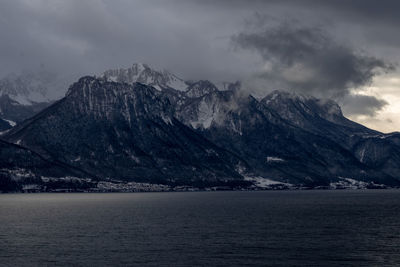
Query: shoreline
(69, 191)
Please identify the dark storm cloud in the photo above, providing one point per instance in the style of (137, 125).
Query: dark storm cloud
(377, 21)
(89, 36)
(192, 38)
(362, 20)
(386, 11)
(362, 105)
(308, 60)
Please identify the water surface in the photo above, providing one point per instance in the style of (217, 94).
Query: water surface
(286, 228)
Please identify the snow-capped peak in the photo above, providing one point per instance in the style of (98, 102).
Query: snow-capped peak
(143, 73)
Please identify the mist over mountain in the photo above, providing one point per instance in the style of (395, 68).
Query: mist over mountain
(25, 94)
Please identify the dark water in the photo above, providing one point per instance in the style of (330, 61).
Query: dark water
(298, 228)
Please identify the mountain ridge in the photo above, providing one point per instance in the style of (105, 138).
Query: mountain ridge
(124, 129)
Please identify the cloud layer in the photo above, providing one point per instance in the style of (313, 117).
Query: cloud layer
(308, 60)
(324, 48)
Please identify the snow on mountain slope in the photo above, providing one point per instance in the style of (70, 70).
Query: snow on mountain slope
(142, 73)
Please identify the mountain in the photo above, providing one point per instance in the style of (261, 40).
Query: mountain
(320, 116)
(127, 132)
(274, 146)
(132, 124)
(324, 117)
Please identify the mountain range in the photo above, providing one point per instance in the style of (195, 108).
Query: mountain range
(144, 125)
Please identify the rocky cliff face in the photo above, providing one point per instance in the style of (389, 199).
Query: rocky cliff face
(127, 132)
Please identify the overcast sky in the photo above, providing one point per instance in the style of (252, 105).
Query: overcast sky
(345, 50)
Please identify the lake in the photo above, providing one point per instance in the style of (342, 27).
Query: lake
(269, 228)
